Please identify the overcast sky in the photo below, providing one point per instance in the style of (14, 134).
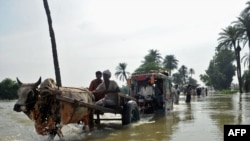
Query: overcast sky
(96, 35)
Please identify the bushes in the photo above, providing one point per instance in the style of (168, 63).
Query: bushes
(228, 91)
(8, 89)
(246, 81)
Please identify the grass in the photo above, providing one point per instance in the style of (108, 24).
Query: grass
(228, 91)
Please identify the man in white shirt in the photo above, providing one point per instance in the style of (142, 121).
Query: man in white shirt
(109, 88)
(147, 90)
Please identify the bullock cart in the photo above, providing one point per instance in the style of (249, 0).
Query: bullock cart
(126, 107)
(51, 107)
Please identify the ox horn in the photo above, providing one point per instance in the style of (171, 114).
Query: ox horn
(18, 81)
(38, 82)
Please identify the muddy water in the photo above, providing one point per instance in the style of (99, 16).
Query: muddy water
(202, 119)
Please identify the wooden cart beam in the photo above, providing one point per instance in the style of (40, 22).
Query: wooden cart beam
(95, 107)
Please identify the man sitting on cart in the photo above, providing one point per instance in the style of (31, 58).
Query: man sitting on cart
(95, 83)
(110, 89)
(147, 90)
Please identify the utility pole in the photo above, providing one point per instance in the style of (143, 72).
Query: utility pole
(53, 43)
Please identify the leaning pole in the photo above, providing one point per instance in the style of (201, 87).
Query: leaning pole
(53, 43)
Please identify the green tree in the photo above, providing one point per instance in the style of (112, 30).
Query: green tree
(243, 27)
(153, 56)
(183, 70)
(146, 67)
(246, 81)
(192, 81)
(121, 72)
(245, 59)
(247, 9)
(191, 72)
(227, 40)
(221, 69)
(177, 78)
(205, 79)
(170, 63)
(152, 61)
(8, 89)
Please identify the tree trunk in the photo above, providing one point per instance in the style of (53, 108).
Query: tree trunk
(53, 43)
(239, 76)
(237, 53)
(248, 35)
(125, 76)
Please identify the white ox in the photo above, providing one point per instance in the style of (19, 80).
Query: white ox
(49, 114)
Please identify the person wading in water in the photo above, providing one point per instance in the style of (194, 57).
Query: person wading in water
(188, 91)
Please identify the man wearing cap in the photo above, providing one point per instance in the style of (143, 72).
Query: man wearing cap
(109, 88)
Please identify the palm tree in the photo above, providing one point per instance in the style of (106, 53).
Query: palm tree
(170, 63)
(152, 61)
(227, 40)
(191, 72)
(53, 42)
(243, 27)
(247, 9)
(121, 72)
(243, 24)
(183, 71)
(153, 56)
(245, 58)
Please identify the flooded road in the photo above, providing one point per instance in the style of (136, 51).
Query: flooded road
(202, 119)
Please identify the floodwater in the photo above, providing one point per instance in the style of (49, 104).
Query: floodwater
(201, 120)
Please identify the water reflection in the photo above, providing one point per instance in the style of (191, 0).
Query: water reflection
(201, 120)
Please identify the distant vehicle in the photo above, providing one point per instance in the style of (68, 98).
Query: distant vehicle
(159, 99)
